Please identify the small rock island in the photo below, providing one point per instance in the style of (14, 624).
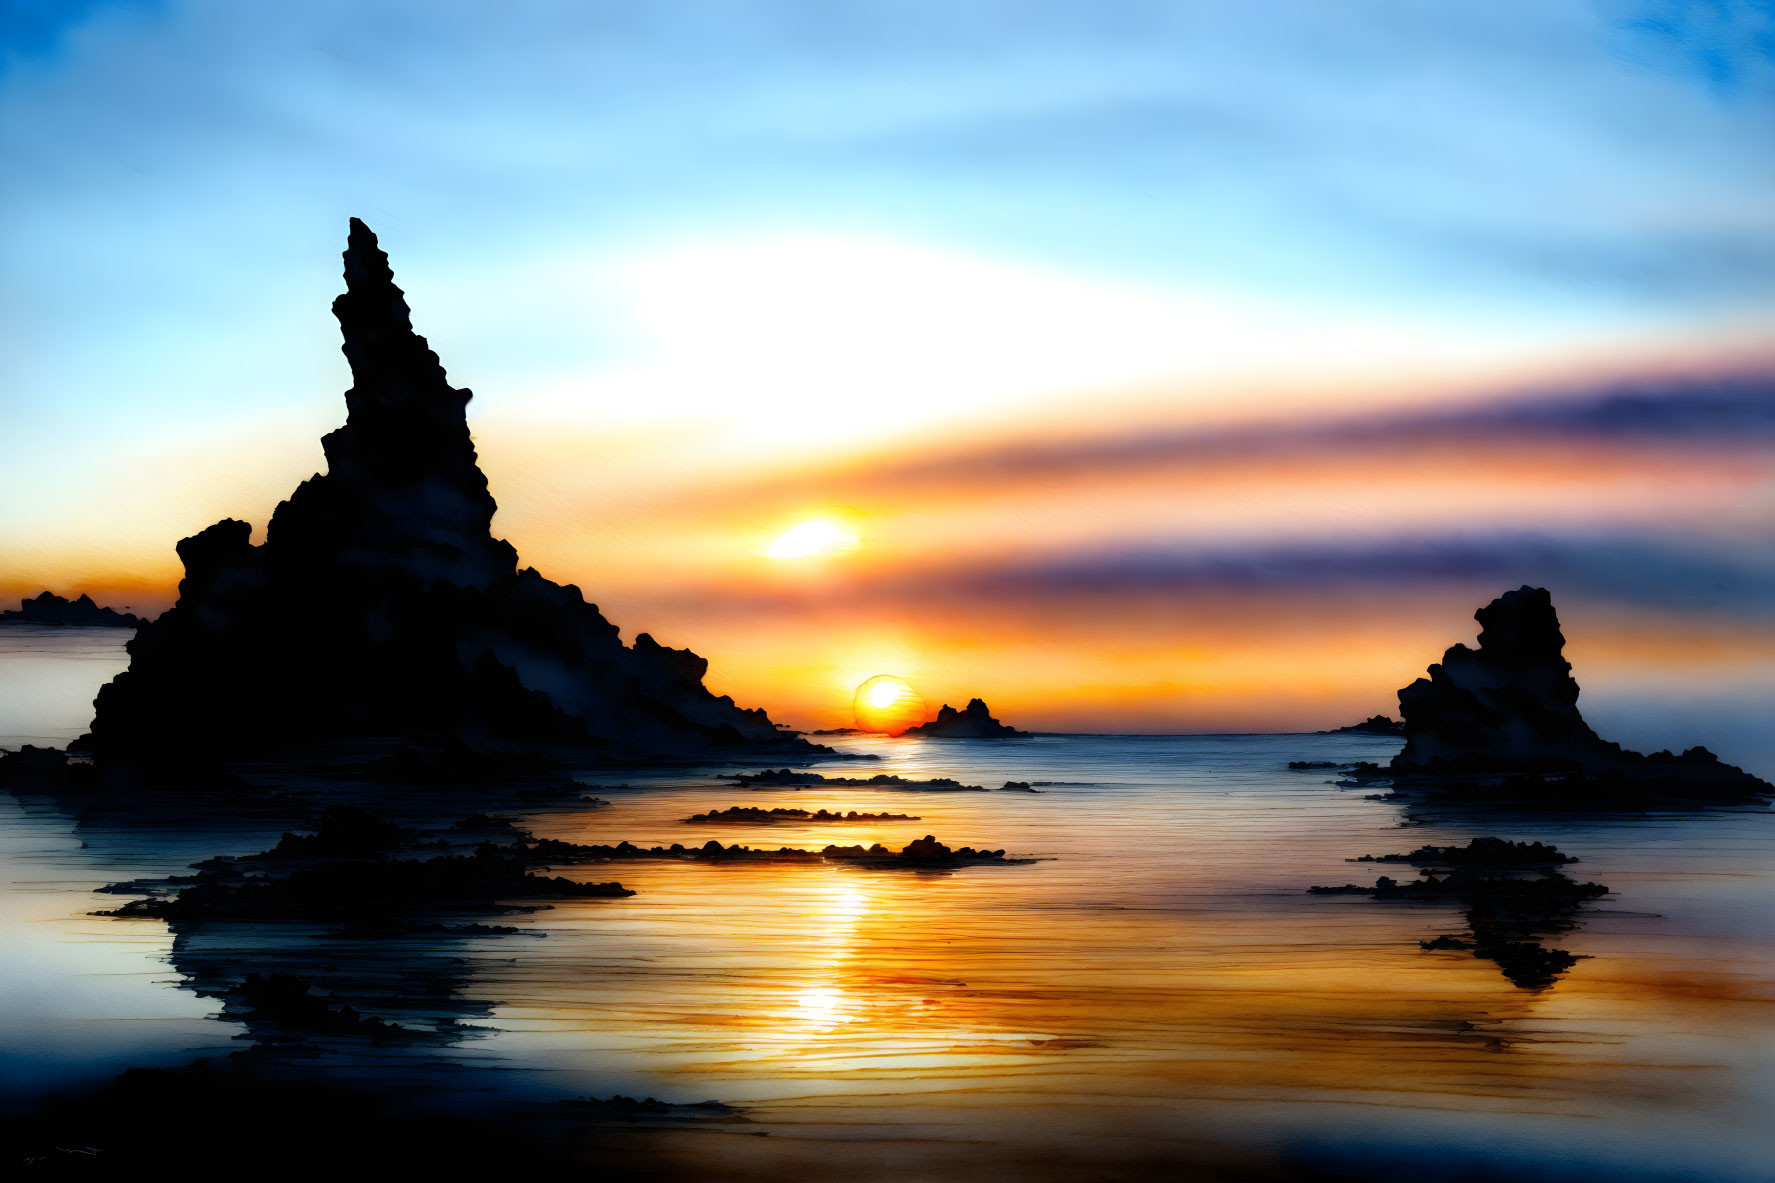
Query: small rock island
(1374, 725)
(781, 778)
(751, 815)
(52, 609)
(1501, 722)
(976, 722)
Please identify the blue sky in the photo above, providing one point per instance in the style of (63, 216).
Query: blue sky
(787, 245)
(1520, 168)
(1522, 176)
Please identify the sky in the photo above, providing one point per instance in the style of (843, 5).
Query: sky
(1165, 366)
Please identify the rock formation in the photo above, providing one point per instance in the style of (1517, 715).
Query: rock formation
(1374, 725)
(922, 853)
(780, 778)
(1493, 853)
(50, 608)
(974, 723)
(749, 815)
(1509, 709)
(381, 604)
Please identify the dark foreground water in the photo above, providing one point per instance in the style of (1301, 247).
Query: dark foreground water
(1159, 983)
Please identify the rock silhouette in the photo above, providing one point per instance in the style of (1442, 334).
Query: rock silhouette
(752, 816)
(49, 608)
(1374, 725)
(789, 778)
(381, 605)
(1493, 853)
(922, 852)
(1505, 717)
(974, 723)
(359, 890)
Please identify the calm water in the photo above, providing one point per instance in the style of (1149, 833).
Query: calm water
(1159, 982)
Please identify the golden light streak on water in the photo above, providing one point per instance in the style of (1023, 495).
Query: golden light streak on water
(1158, 985)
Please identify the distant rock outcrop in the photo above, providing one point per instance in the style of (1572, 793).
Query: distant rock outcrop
(50, 608)
(381, 604)
(1509, 709)
(974, 723)
(1376, 725)
(782, 778)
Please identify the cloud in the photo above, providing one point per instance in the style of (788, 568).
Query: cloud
(1643, 572)
(1734, 411)
(1721, 409)
(179, 174)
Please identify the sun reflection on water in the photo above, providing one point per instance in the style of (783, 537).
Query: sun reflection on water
(824, 1007)
(1163, 966)
(826, 1004)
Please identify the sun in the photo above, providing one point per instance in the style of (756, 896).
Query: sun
(818, 537)
(887, 705)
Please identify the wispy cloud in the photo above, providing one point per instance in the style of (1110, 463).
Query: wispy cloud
(1732, 411)
(1646, 572)
(1641, 572)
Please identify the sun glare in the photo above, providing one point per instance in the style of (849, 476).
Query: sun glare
(812, 538)
(888, 705)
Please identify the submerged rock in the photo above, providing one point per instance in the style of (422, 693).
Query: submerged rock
(1479, 852)
(925, 852)
(1502, 721)
(49, 608)
(629, 1109)
(554, 850)
(976, 722)
(1550, 890)
(381, 604)
(753, 816)
(921, 852)
(360, 890)
(789, 778)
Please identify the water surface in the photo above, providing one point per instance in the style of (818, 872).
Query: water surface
(1158, 982)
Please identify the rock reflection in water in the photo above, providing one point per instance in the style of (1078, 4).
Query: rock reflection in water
(1511, 897)
(1160, 987)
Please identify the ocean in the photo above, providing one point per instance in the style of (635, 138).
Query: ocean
(1157, 987)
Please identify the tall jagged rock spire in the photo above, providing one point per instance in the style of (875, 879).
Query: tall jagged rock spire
(381, 604)
(403, 482)
(401, 407)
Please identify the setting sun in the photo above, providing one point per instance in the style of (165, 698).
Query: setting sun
(887, 704)
(812, 538)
